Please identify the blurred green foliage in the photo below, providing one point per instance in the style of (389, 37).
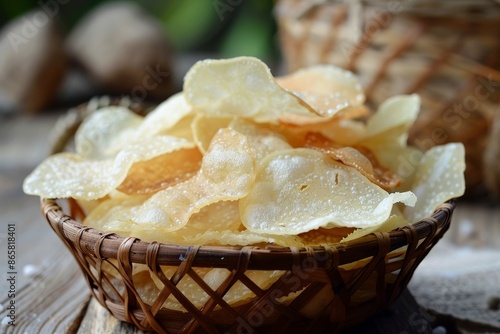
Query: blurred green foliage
(189, 25)
(224, 27)
(11, 9)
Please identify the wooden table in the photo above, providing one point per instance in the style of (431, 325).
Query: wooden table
(52, 297)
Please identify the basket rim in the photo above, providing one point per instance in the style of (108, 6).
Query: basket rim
(107, 245)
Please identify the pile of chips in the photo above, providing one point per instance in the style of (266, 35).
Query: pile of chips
(240, 158)
(243, 158)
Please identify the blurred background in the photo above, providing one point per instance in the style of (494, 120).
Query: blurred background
(57, 54)
(61, 52)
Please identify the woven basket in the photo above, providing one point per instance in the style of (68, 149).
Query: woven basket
(363, 277)
(447, 51)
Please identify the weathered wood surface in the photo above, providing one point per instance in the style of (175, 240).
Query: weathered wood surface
(98, 320)
(56, 300)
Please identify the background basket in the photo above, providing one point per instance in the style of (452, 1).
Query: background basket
(446, 51)
(328, 288)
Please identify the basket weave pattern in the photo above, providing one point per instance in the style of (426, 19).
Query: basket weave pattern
(363, 276)
(362, 290)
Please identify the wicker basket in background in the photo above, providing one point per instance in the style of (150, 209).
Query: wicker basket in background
(446, 51)
(320, 289)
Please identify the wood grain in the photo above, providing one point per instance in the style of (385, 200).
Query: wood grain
(53, 301)
(98, 320)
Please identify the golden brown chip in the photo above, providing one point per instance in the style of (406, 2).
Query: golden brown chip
(216, 224)
(227, 173)
(358, 157)
(394, 221)
(241, 158)
(226, 237)
(439, 177)
(113, 215)
(386, 133)
(182, 129)
(262, 141)
(166, 116)
(66, 174)
(240, 87)
(331, 91)
(346, 113)
(205, 127)
(105, 132)
(151, 176)
(326, 88)
(298, 190)
(217, 218)
(346, 132)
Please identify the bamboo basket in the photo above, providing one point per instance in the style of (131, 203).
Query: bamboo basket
(446, 51)
(362, 277)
